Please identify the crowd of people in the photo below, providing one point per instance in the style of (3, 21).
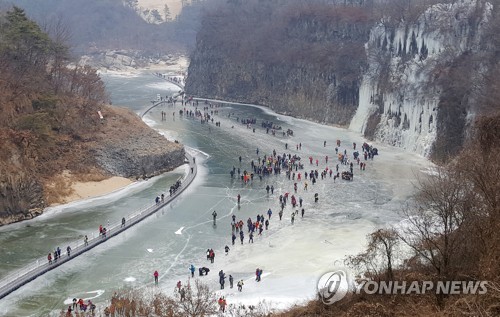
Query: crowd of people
(298, 175)
(82, 307)
(287, 164)
(291, 167)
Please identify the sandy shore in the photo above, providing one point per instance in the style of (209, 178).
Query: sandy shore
(84, 190)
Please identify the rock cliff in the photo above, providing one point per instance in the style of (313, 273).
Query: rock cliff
(305, 65)
(410, 76)
(418, 90)
(127, 147)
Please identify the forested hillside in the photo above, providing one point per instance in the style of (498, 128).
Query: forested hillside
(113, 25)
(49, 125)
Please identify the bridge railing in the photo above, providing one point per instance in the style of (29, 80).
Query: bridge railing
(74, 245)
(35, 268)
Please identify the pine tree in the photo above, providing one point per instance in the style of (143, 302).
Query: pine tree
(167, 14)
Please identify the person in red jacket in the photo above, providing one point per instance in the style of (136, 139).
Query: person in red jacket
(222, 304)
(155, 274)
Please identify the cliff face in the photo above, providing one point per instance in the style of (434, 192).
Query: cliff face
(404, 77)
(298, 63)
(21, 195)
(127, 147)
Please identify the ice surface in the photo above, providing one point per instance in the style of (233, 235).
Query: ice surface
(85, 296)
(293, 257)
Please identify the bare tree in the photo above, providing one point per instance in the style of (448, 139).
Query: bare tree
(60, 34)
(262, 309)
(481, 168)
(199, 301)
(434, 220)
(379, 256)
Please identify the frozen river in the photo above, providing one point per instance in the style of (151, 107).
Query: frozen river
(292, 257)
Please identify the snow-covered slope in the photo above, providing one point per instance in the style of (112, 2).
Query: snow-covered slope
(157, 11)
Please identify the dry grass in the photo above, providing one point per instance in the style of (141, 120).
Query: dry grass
(402, 306)
(56, 188)
(93, 175)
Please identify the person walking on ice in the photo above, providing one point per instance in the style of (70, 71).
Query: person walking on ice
(212, 255)
(222, 304)
(183, 294)
(179, 286)
(155, 274)
(222, 279)
(214, 215)
(240, 285)
(258, 274)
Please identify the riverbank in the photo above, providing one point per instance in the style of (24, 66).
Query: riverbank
(79, 190)
(82, 135)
